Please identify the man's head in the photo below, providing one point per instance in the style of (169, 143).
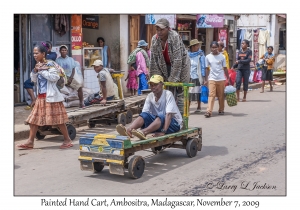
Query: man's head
(270, 49)
(162, 28)
(194, 45)
(100, 41)
(63, 51)
(142, 44)
(49, 44)
(98, 65)
(221, 46)
(156, 83)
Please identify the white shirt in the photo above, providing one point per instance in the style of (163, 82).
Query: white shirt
(165, 104)
(216, 64)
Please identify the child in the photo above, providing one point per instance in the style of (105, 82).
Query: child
(132, 83)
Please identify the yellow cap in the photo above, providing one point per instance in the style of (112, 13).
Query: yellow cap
(156, 79)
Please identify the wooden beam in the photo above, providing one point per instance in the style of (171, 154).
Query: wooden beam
(186, 17)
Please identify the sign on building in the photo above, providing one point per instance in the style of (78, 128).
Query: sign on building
(90, 21)
(210, 21)
(152, 19)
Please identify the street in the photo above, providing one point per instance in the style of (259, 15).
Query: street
(243, 153)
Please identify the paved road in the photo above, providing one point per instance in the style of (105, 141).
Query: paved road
(243, 153)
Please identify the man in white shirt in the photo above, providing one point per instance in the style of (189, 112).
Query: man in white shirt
(105, 81)
(160, 113)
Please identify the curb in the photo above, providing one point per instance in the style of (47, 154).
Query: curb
(21, 135)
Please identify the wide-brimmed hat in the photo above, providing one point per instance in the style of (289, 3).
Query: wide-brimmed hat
(194, 41)
(97, 63)
(156, 79)
(142, 43)
(162, 23)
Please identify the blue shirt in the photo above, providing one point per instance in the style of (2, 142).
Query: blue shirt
(51, 56)
(42, 82)
(67, 63)
(194, 66)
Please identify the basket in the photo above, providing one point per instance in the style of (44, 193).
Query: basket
(231, 99)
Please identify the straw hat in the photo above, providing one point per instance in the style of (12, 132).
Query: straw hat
(194, 41)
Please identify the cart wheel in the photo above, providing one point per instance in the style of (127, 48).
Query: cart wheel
(129, 115)
(122, 119)
(136, 167)
(71, 131)
(98, 166)
(192, 148)
(156, 150)
(39, 136)
(91, 125)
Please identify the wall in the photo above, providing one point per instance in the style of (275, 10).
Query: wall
(209, 39)
(109, 29)
(124, 48)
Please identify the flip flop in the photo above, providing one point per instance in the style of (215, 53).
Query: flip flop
(121, 130)
(198, 111)
(24, 146)
(66, 146)
(139, 134)
(27, 107)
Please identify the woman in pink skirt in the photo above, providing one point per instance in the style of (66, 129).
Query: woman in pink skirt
(48, 108)
(132, 83)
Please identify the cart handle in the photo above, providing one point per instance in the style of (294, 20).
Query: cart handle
(186, 108)
(178, 84)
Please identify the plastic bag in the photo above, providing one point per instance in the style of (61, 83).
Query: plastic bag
(116, 97)
(229, 89)
(77, 81)
(204, 94)
(251, 76)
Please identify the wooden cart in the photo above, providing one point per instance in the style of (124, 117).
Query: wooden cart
(96, 151)
(120, 111)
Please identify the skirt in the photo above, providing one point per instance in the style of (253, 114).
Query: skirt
(44, 113)
(267, 75)
(194, 92)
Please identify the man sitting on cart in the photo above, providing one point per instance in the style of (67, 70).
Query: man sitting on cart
(160, 114)
(106, 82)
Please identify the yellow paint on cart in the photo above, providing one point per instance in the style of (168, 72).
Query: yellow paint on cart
(120, 162)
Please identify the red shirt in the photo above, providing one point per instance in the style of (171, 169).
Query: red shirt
(166, 55)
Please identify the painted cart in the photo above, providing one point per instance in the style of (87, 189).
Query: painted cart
(118, 152)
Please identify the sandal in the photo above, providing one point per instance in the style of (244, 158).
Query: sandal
(207, 115)
(121, 130)
(244, 100)
(139, 134)
(221, 113)
(198, 111)
(24, 146)
(66, 146)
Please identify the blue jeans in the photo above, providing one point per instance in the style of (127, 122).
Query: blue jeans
(28, 84)
(149, 118)
(143, 84)
(242, 73)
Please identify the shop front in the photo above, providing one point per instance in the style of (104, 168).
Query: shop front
(206, 28)
(80, 34)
